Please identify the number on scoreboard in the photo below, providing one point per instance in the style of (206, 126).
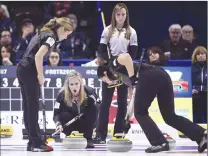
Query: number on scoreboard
(47, 80)
(16, 82)
(58, 83)
(5, 82)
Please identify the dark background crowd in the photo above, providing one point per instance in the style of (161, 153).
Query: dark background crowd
(169, 30)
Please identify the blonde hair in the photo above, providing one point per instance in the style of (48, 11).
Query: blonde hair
(55, 23)
(113, 20)
(197, 50)
(67, 92)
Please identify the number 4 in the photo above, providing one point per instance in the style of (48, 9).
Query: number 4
(16, 82)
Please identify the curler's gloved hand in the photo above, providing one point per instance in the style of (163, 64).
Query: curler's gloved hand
(134, 80)
(126, 126)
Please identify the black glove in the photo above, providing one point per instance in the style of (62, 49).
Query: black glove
(127, 126)
(134, 80)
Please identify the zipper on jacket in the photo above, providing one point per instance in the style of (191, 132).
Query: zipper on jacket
(202, 79)
(78, 107)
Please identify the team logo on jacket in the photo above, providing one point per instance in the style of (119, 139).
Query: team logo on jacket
(127, 36)
(50, 41)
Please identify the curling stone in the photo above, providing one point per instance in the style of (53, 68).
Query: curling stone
(119, 144)
(171, 141)
(75, 141)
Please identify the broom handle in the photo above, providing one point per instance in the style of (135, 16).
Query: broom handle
(131, 104)
(69, 123)
(43, 111)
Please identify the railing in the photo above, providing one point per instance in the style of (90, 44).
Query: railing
(78, 62)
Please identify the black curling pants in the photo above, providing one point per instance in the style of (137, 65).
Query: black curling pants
(200, 107)
(84, 125)
(30, 90)
(102, 122)
(156, 82)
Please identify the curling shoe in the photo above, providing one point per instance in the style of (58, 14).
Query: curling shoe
(90, 143)
(158, 148)
(99, 140)
(203, 143)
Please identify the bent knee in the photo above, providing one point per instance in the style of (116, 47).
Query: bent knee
(124, 56)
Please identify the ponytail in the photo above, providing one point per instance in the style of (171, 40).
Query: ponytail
(51, 25)
(55, 23)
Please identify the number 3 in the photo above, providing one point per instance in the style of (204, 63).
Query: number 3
(5, 83)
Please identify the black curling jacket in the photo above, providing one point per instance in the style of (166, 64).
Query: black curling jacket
(74, 110)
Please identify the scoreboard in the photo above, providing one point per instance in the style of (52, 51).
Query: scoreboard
(11, 99)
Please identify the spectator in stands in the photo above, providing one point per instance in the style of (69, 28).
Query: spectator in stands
(155, 56)
(176, 47)
(86, 13)
(188, 35)
(56, 9)
(27, 32)
(73, 19)
(95, 62)
(6, 22)
(54, 58)
(7, 57)
(6, 38)
(199, 84)
(76, 45)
